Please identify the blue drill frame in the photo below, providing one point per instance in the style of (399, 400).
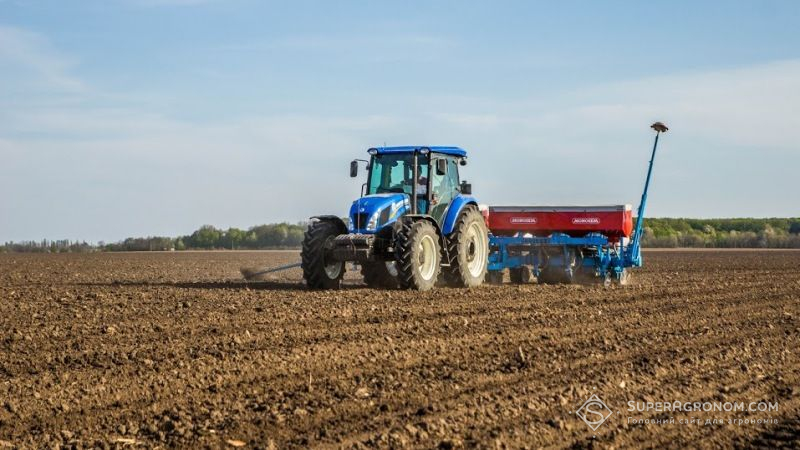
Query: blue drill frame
(593, 254)
(605, 260)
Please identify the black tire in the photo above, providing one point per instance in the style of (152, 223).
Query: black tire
(468, 250)
(520, 275)
(494, 277)
(550, 275)
(558, 274)
(378, 276)
(411, 241)
(318, 271)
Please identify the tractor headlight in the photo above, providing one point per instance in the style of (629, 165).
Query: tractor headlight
(372, 225)
(380, 218)
(385, 213)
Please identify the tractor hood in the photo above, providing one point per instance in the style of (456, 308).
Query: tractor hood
(373, 212)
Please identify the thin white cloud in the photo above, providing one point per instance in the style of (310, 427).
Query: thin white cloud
(380, 46)
(28, 58)
(240, 173)
(750, 106)
(155, 3)
(329, 42)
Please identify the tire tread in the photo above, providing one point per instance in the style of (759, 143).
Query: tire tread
(313, 256)
(453, 274)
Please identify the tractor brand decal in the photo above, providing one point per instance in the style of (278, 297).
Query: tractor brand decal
(585, 221)
(396, 207)
(523, 220)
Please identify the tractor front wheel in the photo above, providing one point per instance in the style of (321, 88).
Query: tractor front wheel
(319, 270)
(418, 255)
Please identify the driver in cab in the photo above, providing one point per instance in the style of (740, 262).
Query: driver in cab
(422, 193)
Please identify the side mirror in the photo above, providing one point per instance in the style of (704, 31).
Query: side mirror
(466, 188)
(353, 169)
(463, 162)
(441, 166)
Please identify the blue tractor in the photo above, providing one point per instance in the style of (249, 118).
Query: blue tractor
(415, 224)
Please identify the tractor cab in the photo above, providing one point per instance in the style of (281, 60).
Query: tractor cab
(414, 221)
(395, 188)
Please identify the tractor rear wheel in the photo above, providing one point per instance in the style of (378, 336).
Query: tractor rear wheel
(418, 255)
(380, 274)
(468, 250)
(319, 271)
(520, 275)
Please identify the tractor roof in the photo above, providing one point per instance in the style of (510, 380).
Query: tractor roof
(454, 151)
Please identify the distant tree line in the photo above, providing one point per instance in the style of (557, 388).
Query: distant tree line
(722, 233)
(47, 246)
(711, 233)
(207, 237)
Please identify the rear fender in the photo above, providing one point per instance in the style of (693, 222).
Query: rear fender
(417, 217)
(454, 210)
(333, 219)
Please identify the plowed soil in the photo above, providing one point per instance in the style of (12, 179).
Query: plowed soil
(175, 350)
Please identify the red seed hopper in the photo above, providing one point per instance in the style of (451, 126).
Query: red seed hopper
(614, 221)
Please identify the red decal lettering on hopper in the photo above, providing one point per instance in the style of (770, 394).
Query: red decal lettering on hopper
(585, 220)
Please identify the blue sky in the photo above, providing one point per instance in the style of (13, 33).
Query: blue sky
(152, 117)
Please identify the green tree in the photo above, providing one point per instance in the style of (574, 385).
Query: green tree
(206, 237)
(296, 234)
(794, 228)
(234, 238)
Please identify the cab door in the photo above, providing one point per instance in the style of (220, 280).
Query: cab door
(444, 185)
